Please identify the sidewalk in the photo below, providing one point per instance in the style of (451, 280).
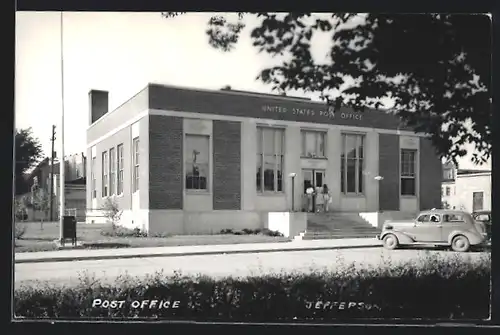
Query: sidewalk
(82, 254)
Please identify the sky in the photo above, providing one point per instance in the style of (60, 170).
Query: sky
(121, 53)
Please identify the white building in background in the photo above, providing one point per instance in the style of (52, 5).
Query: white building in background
(468, 190)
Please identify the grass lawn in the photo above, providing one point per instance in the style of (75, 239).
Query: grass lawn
(38, 239)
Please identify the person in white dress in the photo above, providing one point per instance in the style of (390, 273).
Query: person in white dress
(327, 198)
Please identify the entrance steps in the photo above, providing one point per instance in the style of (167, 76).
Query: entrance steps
(336, 225)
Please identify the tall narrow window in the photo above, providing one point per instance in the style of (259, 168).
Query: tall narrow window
(313, 144)
(196, 161)
(270, 159)
(92, 178)
(119, 168)
(352, 164)
(408, 176)
(135, 160)
(112, 171)
(104, 169)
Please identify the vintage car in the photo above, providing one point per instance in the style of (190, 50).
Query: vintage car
(485, 218)
(439, 227)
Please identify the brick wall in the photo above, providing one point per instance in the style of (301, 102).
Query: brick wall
(389, 169)
(165, 162)
(431, 174)
(227, 165)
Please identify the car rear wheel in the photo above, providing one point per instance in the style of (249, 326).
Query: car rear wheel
(390, 241)
(460, 243)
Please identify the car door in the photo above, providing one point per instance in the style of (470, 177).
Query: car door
(425, 230)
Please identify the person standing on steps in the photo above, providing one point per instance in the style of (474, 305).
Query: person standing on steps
(319, 205)
(327, 198)
(310, 198)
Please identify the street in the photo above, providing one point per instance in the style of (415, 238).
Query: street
(222, 265)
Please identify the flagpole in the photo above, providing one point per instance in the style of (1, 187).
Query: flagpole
(61, 159)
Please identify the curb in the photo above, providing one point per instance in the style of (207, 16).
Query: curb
(201, 253)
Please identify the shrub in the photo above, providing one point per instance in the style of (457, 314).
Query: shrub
(269, 232)
(112, 211)
(20, 230)
(123, 232)
(160, 234)
(247, 231)
(432, 287)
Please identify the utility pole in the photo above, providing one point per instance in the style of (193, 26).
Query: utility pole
(51, 199)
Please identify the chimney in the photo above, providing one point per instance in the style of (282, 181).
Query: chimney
(98, 105)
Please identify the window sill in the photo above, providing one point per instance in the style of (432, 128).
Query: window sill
(197, 192)
(353, 195)
(319, 158)
(270, 194)
(408, 196)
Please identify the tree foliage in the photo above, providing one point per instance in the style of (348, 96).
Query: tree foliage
(28, 151)
(436, 68)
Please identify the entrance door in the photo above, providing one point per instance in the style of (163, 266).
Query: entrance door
(314, 178)
(319, 178)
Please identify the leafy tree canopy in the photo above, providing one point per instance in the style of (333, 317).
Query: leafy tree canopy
(28, 151)
(435, 68)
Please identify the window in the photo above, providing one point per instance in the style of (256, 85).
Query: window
(135, 160)
(435, 218)
(92, 178)
(196, 158)
(424, 218)
(408, 175)
(352, 164)
(104, 169)
(447, 191)
(119, 184)
(270, 159)
(112, 171)
(313, 143)
(453, 218)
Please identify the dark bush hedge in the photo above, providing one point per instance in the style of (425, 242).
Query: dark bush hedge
(434, 288)
(246, 231)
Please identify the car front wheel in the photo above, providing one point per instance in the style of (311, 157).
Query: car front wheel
(460, 243)
(390, 241)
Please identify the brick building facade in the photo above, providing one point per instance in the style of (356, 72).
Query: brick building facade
(196, 161)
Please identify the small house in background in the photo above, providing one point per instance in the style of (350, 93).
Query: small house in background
(465, 189)
(39, 179)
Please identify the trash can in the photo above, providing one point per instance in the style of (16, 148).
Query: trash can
(69, 229)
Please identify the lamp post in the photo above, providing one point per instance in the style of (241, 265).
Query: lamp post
(378, 178)
(293, 175)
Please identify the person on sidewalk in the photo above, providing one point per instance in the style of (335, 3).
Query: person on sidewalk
(327, 198)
